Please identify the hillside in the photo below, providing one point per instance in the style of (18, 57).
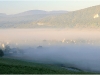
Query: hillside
(13, 66)
(23, 20)
(84, 18)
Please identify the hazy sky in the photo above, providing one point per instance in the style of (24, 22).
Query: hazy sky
(17, 6)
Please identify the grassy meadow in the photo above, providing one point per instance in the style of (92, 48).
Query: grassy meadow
(13, 66)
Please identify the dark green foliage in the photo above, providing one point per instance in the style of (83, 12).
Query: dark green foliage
(12, 66)
(1, 53)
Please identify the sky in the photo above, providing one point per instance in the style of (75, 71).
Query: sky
(18, 6)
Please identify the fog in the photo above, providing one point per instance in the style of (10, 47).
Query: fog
(78, 48)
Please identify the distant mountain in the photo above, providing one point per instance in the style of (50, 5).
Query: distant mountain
(25, 18)
(32, 12)
(84, 18)
(60, 11)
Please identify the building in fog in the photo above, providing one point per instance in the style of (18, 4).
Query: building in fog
(63, 40)
(2, 46)
(96, 16)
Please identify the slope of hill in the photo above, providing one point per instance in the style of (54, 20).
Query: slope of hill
(25, 18)
(12, 66)
(84, 18)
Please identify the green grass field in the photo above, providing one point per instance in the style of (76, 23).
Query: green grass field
(13, 66)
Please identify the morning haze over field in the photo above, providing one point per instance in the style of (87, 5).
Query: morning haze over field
(65, 35)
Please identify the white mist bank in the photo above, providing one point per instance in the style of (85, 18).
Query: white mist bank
(48, 34)
(84, 57)
(70, 47)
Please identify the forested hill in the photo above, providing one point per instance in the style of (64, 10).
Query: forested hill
(24, 19)
(84, 18)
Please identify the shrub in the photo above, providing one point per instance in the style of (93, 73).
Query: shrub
(1, 53)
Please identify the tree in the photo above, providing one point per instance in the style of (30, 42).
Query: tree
(1, 53)
(7, 49)
(39, 47)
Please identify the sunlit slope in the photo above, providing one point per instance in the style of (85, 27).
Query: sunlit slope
(84, 18)
(12, 66)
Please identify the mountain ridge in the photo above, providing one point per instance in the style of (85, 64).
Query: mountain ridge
(84, 18)
(24, 19)
(88, 17)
